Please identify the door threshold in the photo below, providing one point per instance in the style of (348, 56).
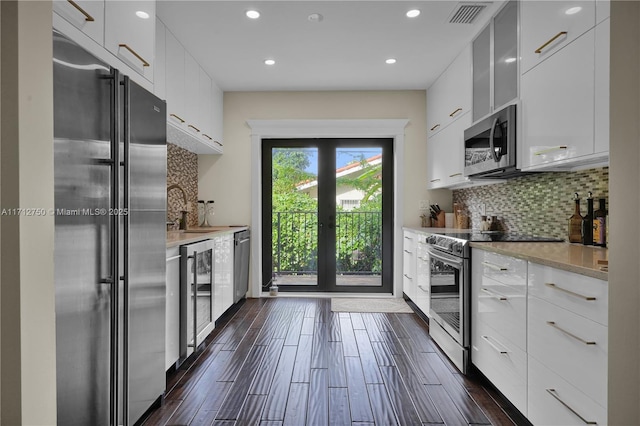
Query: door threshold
(320, 294)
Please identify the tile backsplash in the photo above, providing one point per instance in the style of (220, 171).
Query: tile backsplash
(182, 169)
(537, 204)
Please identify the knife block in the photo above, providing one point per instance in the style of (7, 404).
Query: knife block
(441, 220)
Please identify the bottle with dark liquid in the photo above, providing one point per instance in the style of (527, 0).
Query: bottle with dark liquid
(600, 225)
(575, 222)
(587, 223)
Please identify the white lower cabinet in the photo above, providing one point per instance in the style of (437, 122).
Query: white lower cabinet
(409, 265)
(423, 292)
(223, 274)
(540, 335)
(554, 401)
(172, 308)
(502, 362)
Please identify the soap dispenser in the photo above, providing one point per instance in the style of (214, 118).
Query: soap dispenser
(575, 222)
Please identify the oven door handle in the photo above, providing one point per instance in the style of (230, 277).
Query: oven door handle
(445, 257)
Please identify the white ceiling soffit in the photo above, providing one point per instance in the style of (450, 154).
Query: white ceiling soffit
(466, 13)
(345, 50)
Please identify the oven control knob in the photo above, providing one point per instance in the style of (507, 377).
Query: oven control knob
(456, 248)
(431, 239)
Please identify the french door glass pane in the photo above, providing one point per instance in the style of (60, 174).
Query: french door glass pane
(295, 216)
(358, 216)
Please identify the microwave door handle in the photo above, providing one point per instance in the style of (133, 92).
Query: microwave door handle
(491, 144)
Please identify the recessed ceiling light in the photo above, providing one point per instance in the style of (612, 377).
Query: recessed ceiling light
(252, 14)
(315, 17)
(413, 13)
(573, 10)
(142, 14)
(391, 61)
(269, 62)
(510, 60)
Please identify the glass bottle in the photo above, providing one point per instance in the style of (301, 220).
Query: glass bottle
(575, 222)
(201, 212)
(587, 223)
(600, 225)
(209, 212)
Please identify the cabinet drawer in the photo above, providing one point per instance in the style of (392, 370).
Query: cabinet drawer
(546, 390)
(583, 295)
(504, 269)
(423, 298)
(504, 364)
(570, 345)
(502, 307)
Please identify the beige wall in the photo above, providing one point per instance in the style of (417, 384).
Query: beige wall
(624, 249)
(27, 291)
(227, 178)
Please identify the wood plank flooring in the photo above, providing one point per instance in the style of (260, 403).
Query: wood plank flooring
(291, 361)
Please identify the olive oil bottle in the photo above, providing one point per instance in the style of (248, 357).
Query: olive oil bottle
(587, 223)
(575, 222)
(600, 225)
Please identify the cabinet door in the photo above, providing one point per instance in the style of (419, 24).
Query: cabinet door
(558, 106)
(452, 154)
(435, 165)
(175, 81)
(129, 36)
(87, 16)
(217, 128)
(482, 74)
(160, 62)
(409, 265)
(172, 309)
(423, 273)
(505, 55)
(603, 31)
(546, 27)
(223, 274)
(191, 96)
(205, 107)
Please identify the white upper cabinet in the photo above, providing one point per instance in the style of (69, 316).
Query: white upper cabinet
(205, 104)
(87, 16)
(217, 98)
(129, 33)
(160, 62)
(175, 81)
(192, 95)
(549, 26)
(449, 98)
(565, 96)
(445, 155)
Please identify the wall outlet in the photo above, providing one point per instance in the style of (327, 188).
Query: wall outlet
(483, 209)
(424, 205)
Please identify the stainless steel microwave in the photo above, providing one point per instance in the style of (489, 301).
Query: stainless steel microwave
(490, 146)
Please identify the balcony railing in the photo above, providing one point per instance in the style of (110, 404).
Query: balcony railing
(358, 243)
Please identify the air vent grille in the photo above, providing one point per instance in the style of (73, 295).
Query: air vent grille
(466, 13)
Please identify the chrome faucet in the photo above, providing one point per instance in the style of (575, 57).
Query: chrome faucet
(183, 220)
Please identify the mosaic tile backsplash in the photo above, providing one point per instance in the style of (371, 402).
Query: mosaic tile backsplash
(182, 169)
(536, 204)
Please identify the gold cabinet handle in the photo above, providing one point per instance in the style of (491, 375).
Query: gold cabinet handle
(194, 128)
(455, 112)
(87, 17)
(553, 393)
(562, 330)
(496, 295)
(564, 290)
(207, 136)
(434, 180)
(455, 174)
(495, 267)
(434, 127)
(560, 34)
(173, 115)
(134, 53)
(545, 151)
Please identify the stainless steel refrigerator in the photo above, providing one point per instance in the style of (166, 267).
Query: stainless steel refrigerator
(110, 241)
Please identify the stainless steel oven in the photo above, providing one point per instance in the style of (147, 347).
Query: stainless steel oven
(449, 285)
(196, 296)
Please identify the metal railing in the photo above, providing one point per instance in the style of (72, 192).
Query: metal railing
(358, 243)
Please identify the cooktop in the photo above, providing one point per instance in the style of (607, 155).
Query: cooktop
(490, 236)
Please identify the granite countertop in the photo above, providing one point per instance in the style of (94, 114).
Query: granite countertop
(178, 238)
(569, 257)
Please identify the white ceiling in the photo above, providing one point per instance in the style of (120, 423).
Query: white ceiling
(345, 51)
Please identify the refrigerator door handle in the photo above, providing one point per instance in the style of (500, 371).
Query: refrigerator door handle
(195, 299)
(126, 115)
(115, 244)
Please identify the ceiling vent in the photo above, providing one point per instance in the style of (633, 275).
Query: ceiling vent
(466, 13)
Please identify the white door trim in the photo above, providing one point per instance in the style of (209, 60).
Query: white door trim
(306, 129)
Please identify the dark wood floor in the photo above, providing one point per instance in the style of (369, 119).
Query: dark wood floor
(291, 361)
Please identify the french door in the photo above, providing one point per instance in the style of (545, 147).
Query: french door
(327, 214)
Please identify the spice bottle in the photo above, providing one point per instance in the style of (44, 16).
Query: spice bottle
(575, 222)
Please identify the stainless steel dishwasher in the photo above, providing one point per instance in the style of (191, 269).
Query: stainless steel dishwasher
(241, 255)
